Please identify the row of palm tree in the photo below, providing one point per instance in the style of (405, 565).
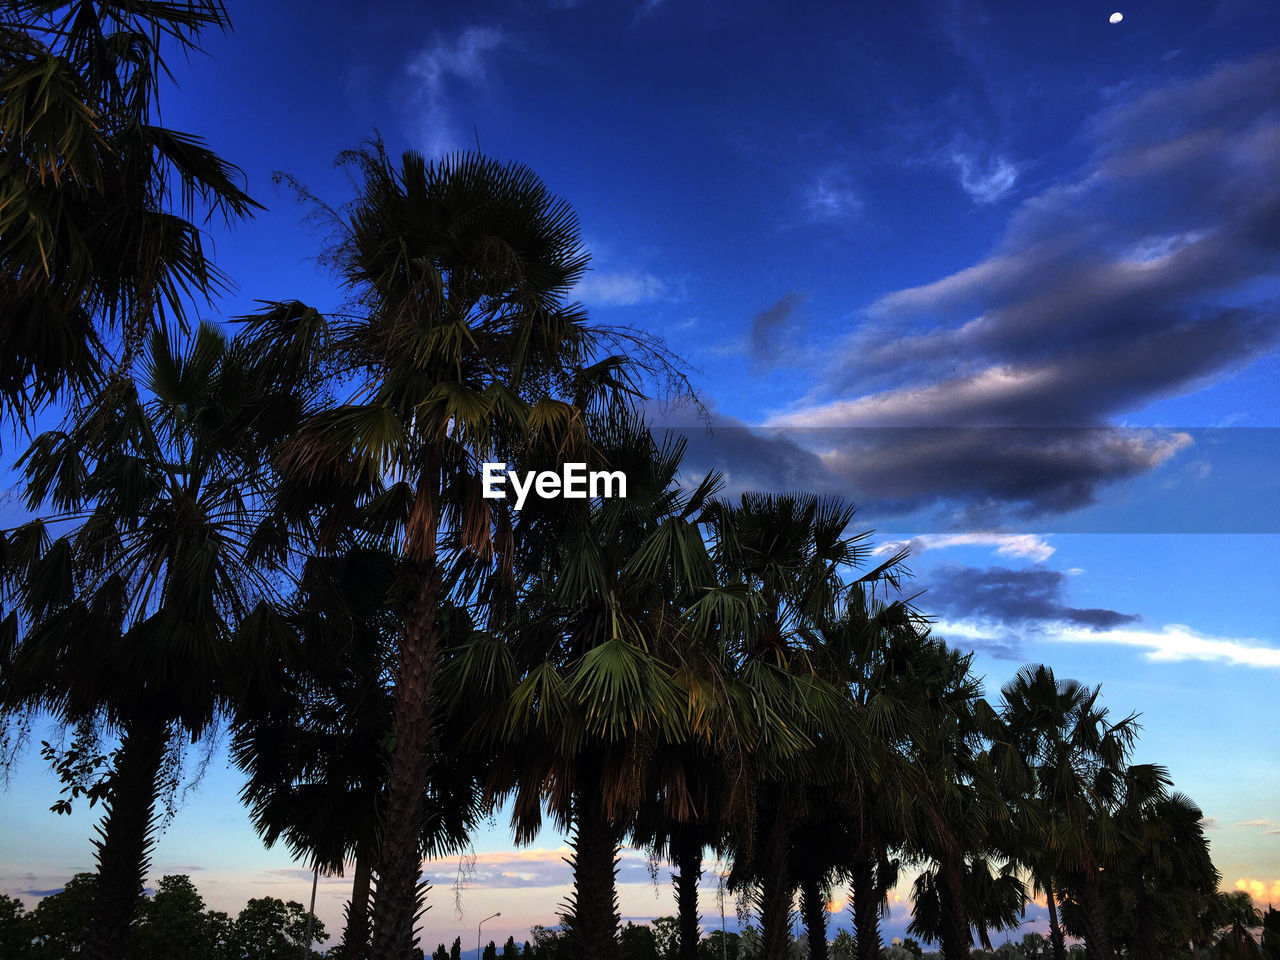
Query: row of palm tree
(281, 527)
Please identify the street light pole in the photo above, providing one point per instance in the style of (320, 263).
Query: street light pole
(311, 916)
(478, 926)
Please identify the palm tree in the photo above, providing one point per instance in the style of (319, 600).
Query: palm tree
(961, 811)
(1077, 758)
(789, 555)
(588, 668)
(96, 199)
(125, 620)
(1164, 877)
(1237, 916)
(310, 733)
(461, 344)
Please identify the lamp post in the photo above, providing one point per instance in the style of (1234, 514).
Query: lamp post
(478, 926)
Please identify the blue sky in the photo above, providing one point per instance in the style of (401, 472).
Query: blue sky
(1005, 275)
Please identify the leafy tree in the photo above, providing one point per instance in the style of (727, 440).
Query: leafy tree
(60, 925)
(15, 939)
(637, 942)
(509, 949)
(490, 951)
(272, 929)
(666, 935)
(720, 945)
(844, 946)
(550, 944)
(440, 953)
(455, 951)
(174, 924)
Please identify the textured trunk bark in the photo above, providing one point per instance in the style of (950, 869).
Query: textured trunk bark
(956, 938)
(1057, 940)
(866, 907)
(123, 849)
(593, 918)
(686, 850)
(814, 907)
(355, 939)
(396, 906)
(1097, 943)
(775, 884)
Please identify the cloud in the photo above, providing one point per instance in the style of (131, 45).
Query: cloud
(619, 288)
(1260, 890)
(1142, 276)
(1176, 643)
(1014, 597)
(770, 328)
(831, 197)
(984, 183)
(1026, 545)
(450, 63)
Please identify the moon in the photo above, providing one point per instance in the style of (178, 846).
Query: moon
(1117, 17)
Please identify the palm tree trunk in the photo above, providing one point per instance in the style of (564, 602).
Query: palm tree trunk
(814, 907)
(1145, 940)
(1097, 942)
(592, 918)
(355, 938)
(123, 850)
(1056, 938)
(955, 935)
(686, 851)
(775, 884)
(397, 905)
(866, 907)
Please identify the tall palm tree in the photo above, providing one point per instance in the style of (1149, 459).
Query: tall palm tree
(588, 670)
(98, 237)
(790, 555)
(125, 619)
(1164, 877)
(311, 728)
(459, 344)
(1077, 758)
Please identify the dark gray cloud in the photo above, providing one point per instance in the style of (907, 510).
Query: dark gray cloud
(769, 345)
(980, 476)
(1150, 273)
(1013, 597)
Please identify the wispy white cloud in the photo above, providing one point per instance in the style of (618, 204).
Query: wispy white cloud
(1176, 643)
(1027, 545)
(462, 59)
(622, 288)
(831, 196)
(984, 182)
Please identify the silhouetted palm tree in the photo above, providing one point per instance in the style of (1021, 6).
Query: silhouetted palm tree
(97, 201)
(126, 619)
